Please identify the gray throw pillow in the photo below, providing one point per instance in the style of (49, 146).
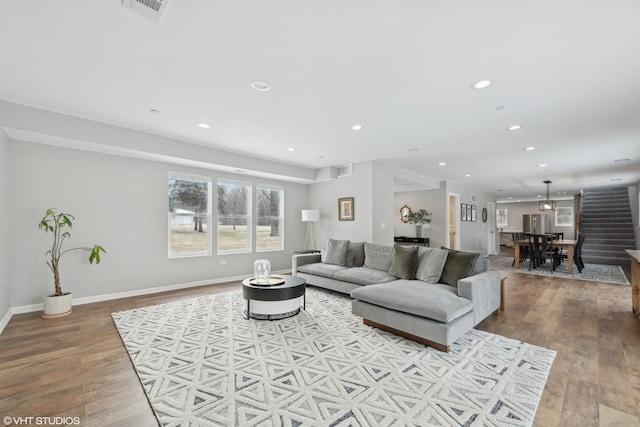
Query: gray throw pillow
(404, 263)
(336, 252)
(377, 256)
(430, 264)
(458, 266)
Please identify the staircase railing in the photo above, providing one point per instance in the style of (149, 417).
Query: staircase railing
(577, 207)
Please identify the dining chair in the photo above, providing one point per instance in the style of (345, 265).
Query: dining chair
(524, 249)
(540, 250)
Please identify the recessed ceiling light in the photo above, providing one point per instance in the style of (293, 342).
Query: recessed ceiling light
(204, 125)
(321, 157)
(500, 108)
(538, 196)
(239, 170)
(154, 111)
(616, 179)
(529, 148)
(356, 127)
(260, 85)
(291, 149)
(510, 197)
(621, 160)
(442, 163)
(467, 175)
(542, 165)
(412, 150)
(514, 127)
(481, 84)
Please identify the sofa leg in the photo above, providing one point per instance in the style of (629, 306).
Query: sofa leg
(407, 335)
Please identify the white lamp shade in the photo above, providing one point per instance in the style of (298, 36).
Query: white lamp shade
(310, 215)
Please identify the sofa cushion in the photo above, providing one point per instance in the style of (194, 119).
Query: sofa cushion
(404, 262)
(321, 269)
(430, 264)
(437, 302)
(363, 276)
(336, 252)
(355, 254)
(458, 266)
(377, 256)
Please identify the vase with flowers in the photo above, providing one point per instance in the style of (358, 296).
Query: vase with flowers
(419, 217)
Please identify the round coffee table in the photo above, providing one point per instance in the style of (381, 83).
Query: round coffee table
(273, 302)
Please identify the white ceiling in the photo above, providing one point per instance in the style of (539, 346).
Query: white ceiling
(568, 71)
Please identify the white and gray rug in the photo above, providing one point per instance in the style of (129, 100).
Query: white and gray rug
(591, 272)
(202, 364)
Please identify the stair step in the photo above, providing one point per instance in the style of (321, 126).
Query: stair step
(609, 261)
(592, 229)
(607, 246)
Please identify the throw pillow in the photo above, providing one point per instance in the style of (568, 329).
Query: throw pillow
(430, 264)
(336, 252)
(404, 263)
(458, 266)
(377, 256)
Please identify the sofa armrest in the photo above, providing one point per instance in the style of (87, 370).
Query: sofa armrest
(302, 259)
(483, 290)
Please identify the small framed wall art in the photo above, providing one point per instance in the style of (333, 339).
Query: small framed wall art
(463, 211)
(345, 209)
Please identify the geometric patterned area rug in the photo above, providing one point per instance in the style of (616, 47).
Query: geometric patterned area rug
(202, 364)
(591, 272)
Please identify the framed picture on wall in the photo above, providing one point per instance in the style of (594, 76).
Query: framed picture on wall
(463, 211)
(468, 212)
(473, 213)
(564, 216)
(345, 209)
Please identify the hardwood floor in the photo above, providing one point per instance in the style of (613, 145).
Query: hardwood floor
(77, 366)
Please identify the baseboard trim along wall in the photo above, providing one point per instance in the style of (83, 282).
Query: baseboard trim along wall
(107, 297)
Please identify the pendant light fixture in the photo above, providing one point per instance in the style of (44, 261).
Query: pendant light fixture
(547, 204)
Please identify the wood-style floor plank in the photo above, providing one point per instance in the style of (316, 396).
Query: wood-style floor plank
(78, 366)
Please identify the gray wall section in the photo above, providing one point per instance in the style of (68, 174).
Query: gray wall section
(516, 210)
(120, 203)
(5, 221)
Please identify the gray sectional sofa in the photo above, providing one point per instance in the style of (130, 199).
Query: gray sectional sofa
(429, 295)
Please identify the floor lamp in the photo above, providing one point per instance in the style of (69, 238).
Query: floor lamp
(310, 216)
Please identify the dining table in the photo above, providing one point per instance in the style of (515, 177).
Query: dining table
(567, 244)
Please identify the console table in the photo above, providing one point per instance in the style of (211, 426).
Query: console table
(424, 241)
(635, 280)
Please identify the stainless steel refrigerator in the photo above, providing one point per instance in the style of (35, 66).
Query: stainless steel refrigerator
(536, 223)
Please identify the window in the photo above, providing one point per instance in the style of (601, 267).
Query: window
(234, 216)
(269, 202)
(189, 215)
(502, 218)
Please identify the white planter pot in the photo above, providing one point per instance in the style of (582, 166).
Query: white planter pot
(57, 306)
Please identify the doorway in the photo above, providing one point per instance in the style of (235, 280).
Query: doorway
(491, 229)
(453, 209)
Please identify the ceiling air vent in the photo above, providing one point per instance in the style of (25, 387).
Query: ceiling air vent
(150, 9)
(344, 170)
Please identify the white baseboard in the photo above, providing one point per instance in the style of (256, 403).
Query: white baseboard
(137, 292)
(5, 319)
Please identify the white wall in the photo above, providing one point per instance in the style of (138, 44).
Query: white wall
(120, 203)
(517, 209)
(324, 197)
(5, 221)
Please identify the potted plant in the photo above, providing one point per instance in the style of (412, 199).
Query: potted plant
(58, 304)
(419, 218)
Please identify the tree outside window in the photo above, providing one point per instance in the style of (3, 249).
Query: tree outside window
(234, 216)
(189, 215)
(269, 203)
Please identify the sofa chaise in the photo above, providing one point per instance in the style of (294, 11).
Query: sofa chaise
(433, 296)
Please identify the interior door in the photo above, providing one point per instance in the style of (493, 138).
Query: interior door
(491, 229)
(453, 238)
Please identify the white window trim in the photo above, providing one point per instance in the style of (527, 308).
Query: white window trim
(281, 217)
(191, 177)
(250, 217)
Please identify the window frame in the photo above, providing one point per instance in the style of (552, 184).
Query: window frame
(249, 217)
(499, 224)
(208, 216)
(280, 216)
